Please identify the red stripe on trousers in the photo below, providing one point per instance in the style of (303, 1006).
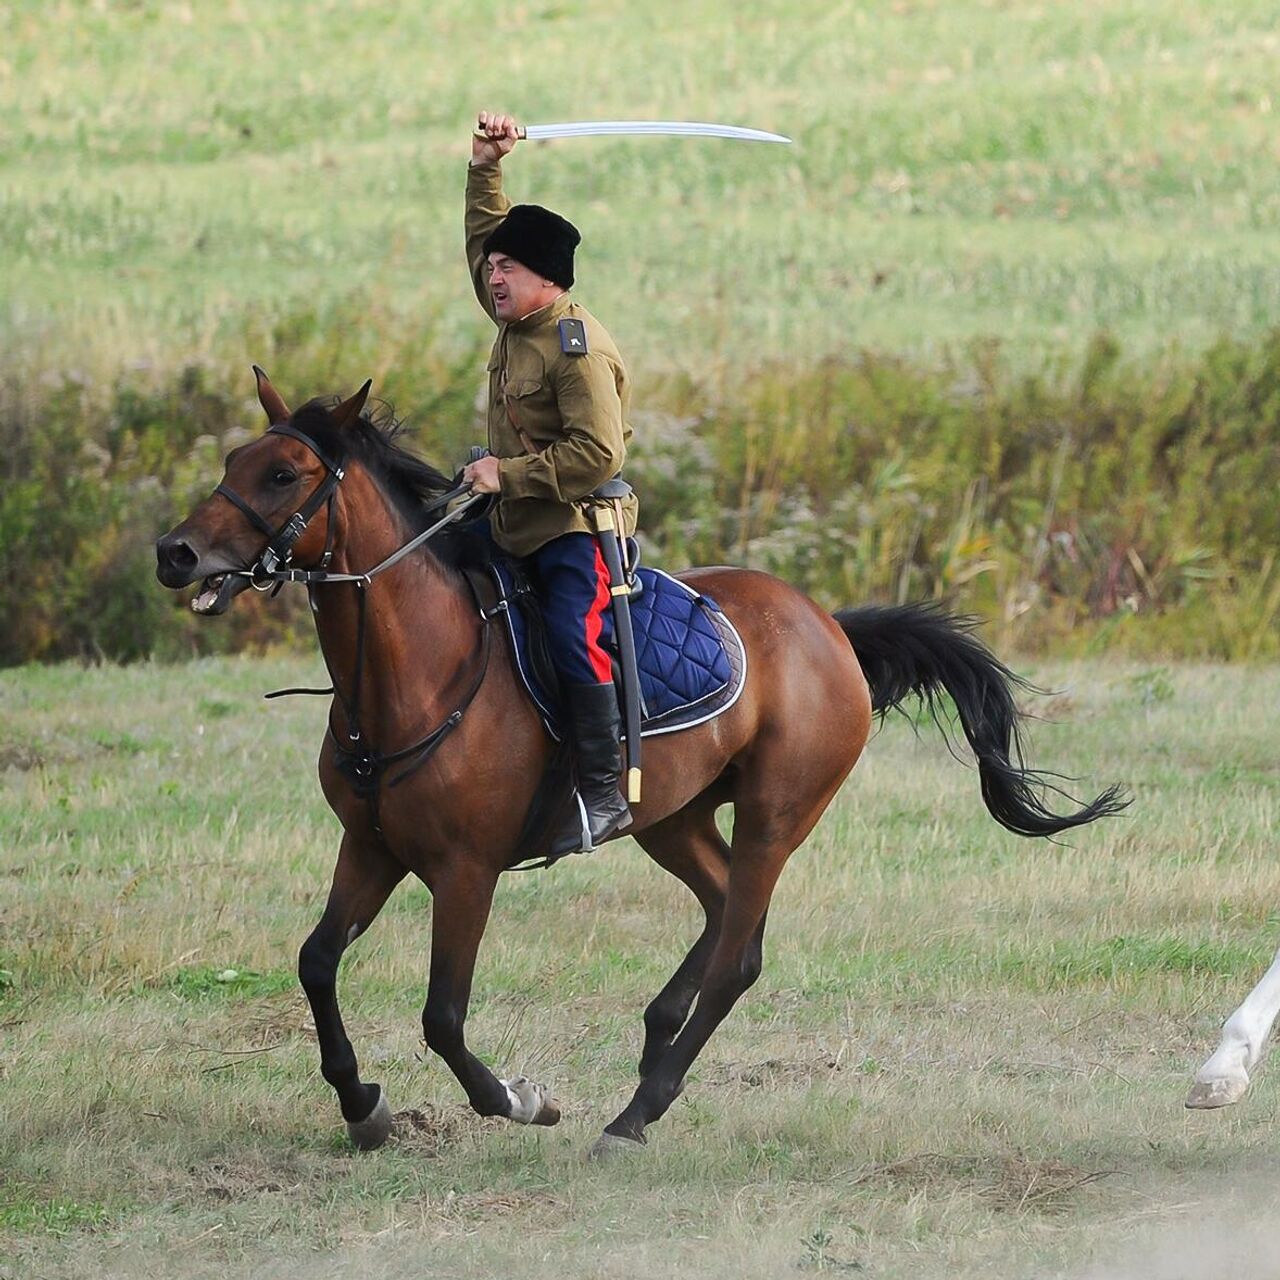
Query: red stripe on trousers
(599, 660)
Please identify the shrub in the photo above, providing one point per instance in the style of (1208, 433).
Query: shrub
(1117, 505)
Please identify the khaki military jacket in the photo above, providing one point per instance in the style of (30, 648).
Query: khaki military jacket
(572, 409)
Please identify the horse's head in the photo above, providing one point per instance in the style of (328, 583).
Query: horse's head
(266, 511)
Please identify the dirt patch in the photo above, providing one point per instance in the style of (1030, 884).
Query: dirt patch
(223, 1183)
(20, 756)
(276, 1018)
(787, 1071)
(430, 1131)
(1010, 1184)
(776, 1071)
(479, 1205)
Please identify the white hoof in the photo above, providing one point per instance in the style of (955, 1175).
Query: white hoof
(531, 1103)
(371, 1132)
(1205, 1095)
(609, 1146)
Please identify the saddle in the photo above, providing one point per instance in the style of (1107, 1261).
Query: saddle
(691, 660)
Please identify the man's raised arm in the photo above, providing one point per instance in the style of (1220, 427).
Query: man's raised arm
(486, 204)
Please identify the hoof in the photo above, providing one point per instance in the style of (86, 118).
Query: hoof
(371, 1132)
(531, 1103)
(1206, 1095)
(609, 1146)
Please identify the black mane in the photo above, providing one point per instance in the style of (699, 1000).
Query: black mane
(411, 483)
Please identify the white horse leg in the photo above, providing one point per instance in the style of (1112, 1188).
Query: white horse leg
(1225, 1077)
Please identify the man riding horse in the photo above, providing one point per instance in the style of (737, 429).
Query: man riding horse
(557, 421)
(326, 497)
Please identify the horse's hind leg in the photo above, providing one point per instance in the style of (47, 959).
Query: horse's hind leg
(688, 845)
(734, 964)
(1226, 1076)
(362, 882)
(779, 794)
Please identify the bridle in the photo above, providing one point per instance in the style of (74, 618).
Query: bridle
(363, 764)
(274, 566)
(279, 549)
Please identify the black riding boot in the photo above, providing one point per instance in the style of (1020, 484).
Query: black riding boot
(596, 727)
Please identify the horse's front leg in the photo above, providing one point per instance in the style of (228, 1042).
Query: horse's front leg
(362, 881)
(1225, 1077)
(462, 898)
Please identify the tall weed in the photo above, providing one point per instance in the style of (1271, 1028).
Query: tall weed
(1108, 504)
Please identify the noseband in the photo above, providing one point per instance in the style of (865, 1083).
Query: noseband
(361, 763)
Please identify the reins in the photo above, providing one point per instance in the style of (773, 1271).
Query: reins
(363, 764)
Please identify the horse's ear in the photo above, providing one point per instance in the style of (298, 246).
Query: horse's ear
(349, 410)
(270, 399)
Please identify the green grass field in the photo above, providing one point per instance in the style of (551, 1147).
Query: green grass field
(175, 176)
(967, 1054)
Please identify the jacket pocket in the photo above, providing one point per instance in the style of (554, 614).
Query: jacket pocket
(522, 388)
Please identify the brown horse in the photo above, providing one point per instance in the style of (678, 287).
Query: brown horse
(434, 753)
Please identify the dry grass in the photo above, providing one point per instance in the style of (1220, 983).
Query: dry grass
(966, 1051)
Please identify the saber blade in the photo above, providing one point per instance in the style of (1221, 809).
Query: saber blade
(666, 128)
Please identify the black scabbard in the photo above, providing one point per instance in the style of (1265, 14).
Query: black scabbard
(619, 595)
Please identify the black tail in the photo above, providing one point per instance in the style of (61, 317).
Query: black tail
(923, 650)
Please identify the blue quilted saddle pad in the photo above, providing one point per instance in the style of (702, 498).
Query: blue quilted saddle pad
(689, 655)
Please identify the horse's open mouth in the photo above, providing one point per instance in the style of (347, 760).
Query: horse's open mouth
(217, 592)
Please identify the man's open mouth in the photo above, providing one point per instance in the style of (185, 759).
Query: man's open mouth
(217, 592)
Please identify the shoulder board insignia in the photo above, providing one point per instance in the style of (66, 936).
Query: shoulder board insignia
(573, 337)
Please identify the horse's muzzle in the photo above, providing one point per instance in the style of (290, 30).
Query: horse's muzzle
(178, 564)
(177, 561)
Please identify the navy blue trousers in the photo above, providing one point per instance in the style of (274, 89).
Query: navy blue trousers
(572, 582)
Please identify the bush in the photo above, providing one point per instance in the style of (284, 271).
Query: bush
(91, 476)
(1107, 505)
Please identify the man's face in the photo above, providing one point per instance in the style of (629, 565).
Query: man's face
(516, 291)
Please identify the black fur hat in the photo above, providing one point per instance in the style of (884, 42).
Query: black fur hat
(538, 239)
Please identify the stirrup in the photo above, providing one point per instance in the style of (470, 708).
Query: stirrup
(580, 841)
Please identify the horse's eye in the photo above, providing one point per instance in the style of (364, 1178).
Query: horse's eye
(282, 477)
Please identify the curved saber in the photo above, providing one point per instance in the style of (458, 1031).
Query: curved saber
(669, 128)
